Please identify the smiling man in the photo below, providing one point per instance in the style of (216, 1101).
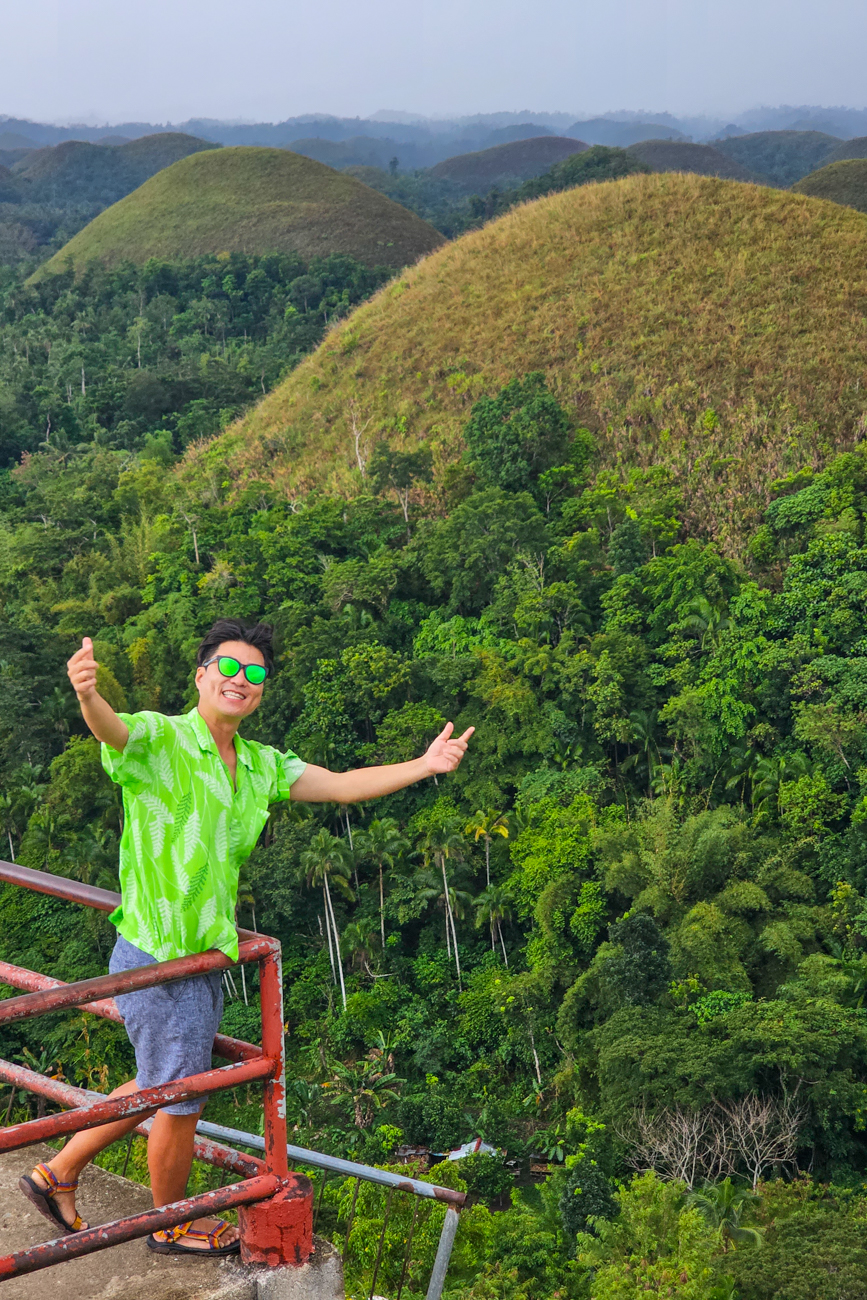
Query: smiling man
(196, 798)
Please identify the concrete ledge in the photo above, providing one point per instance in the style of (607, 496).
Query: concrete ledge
(131, 1271)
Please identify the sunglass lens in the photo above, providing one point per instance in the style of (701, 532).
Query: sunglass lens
(228, 667)
(255, 674)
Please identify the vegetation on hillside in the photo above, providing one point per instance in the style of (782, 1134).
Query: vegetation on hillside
(679, 156)
(250, 200)
(507, 164)
(75, 172)
(702, 329)
(855, 148)
(841, 182)
(783, 157)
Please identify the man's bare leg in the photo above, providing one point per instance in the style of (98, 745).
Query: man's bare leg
(82, 1147)
(170, 1158)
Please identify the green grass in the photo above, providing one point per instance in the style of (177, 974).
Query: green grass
(678, 156)
(710, 328)
(781, 156)
(517, 161)
(253, 201)
(841, 182)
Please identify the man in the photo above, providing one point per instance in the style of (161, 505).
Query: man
(196, 798)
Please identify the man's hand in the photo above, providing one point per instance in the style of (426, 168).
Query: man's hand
(97, 712)
(445, 754)
(82, 669)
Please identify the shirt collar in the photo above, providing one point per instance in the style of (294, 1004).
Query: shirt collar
(202, 732)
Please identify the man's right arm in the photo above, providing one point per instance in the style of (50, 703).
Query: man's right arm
(97, 712)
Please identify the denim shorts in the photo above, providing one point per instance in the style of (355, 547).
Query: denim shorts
(171, 1026)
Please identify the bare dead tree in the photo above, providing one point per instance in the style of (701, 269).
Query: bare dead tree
(358, 431)
(751, 1135)
(762, 1132)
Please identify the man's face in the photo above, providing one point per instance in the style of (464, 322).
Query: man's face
(229, 697)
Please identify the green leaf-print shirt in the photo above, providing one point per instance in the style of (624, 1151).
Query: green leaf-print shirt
(186, 831)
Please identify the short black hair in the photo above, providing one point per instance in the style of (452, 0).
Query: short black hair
(258, 635)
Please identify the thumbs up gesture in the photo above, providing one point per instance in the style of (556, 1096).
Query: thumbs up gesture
(82, 671)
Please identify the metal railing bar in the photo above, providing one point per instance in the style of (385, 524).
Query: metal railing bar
(60, 1249)
(443, 1255)
(18, 977)
(352, 1210)
(92, 1114)
(44, 882)
(335, 1165)
(140, 977)
(319, 1199)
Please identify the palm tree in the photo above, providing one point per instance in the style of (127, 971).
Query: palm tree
(492, 906)
(356, 940)
(383, 843)
(324, 860)
(440, 844)
(485, 825)
(723, 1205)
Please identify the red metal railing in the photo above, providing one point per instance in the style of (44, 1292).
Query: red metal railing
(284, 1201)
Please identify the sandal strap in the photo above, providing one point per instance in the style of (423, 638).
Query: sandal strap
(54, 1185)
(179, 1230)
(211, 1237)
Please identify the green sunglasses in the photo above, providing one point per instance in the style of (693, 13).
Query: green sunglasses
(229, 667)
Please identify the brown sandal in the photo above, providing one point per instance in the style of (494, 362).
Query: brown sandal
(41, 1197)
(170, 1245)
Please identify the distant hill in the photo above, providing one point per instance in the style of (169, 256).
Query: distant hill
(702, 159)
(646, 303)
(15, 140)
(79, 172)
(361, 151)
(855, 148)
(782, 156)
(601, 130)
(507, 163)
(254, 201)
(841, 182)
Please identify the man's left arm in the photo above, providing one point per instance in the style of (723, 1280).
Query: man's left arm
(318, 785)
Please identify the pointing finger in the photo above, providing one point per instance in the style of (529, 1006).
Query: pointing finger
(465, 737)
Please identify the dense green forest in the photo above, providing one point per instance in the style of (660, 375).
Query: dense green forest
(627, 939)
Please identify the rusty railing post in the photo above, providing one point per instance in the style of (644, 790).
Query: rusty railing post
(273, 1046)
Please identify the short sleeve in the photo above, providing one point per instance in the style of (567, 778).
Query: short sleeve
(287, 769)
(134, 766)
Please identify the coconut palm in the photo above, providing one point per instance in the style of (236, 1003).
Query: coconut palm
(724, 1205)
(441, 844)
(326, 860)
(383, 844)
(485, 825)
(492, 906)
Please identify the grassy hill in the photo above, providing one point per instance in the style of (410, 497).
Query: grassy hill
(782, 156)
(78, 172)
(855, 148)
(709, 328)
(678, 156)
(506, 163)
(254, 201)
(841, 182)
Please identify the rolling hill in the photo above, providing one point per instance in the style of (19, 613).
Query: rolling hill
(359, 151)
(841, 182)
(855, 148)
(504, 164)
(255, 201)
(678, 156)
(602, 130)
(708, 330)
(79, 172)
(781, 156)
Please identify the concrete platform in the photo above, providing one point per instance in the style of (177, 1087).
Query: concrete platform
(131, 1271)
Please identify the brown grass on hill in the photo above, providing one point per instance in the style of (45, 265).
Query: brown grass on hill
(519, 160)
(710, 328)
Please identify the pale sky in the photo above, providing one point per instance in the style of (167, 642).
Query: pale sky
(265, 60)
